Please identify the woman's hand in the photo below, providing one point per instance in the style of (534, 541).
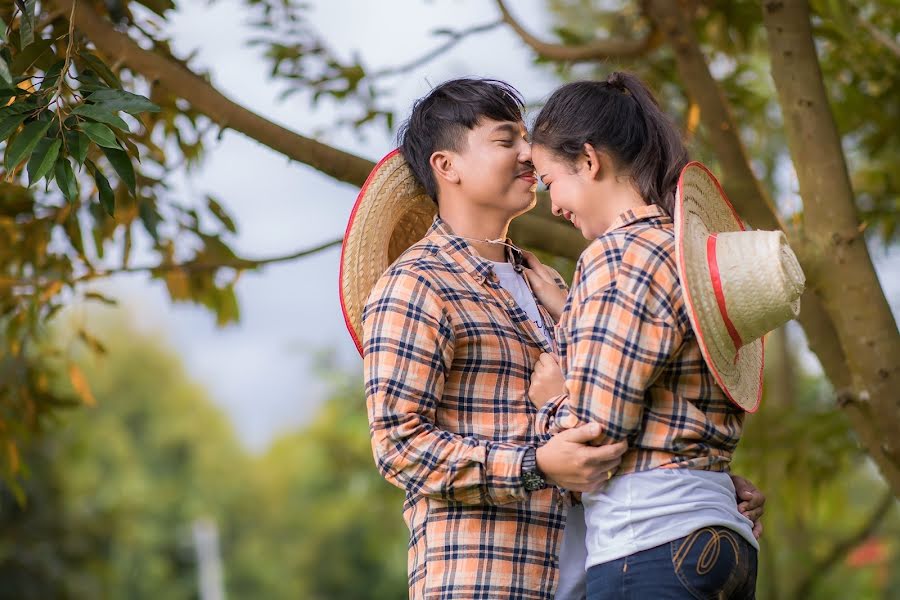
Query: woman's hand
(542, 280)
(547, 380)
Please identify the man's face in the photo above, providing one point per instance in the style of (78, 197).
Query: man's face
(495, 167)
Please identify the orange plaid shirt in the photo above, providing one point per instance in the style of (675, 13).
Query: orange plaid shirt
(631, 359)
(448, 355)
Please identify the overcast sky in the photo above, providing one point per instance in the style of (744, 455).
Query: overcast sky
(259, 370)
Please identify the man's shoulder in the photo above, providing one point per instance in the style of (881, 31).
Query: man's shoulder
(421, 266)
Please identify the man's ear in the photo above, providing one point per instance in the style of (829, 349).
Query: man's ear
(442, 164)
(592, 161)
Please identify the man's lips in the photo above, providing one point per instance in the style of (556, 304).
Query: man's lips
(528, 176)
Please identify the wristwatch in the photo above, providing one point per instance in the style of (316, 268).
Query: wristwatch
(532, 478)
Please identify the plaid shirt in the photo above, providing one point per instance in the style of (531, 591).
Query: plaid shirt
(631, 359)
(448, 355)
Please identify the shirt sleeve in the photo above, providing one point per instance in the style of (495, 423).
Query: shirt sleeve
(620, 333)
(407, 353)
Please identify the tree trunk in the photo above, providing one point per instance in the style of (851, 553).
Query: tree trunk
(842, 275)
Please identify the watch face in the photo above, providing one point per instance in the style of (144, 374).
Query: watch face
(533, 481)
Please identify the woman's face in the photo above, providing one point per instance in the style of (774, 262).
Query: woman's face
(573, 190)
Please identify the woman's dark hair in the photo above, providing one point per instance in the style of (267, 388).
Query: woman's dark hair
(619, 116)
(440, 120)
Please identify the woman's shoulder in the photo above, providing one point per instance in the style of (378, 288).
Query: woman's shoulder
(639, 244)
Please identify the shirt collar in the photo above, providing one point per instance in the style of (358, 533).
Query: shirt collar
(462, 252)
(641, 213)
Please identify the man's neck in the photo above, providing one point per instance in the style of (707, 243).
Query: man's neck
(477, 225)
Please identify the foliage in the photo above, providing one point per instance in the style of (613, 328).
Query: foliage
(113, 494)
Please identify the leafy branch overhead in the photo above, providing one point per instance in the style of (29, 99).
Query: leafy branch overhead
(62, 114)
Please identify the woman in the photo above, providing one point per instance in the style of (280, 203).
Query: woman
(642, 344)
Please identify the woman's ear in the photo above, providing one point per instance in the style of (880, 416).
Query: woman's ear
(592, 161)
(442, 164)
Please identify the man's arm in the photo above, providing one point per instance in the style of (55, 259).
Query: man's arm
(408, 351)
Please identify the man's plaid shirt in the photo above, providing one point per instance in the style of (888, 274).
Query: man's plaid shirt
(632, 361)
(448, 355)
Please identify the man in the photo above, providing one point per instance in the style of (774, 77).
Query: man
(450, 334)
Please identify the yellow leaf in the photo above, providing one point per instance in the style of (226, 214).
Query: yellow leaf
(178, 284)
(80, 383)
(13, 451)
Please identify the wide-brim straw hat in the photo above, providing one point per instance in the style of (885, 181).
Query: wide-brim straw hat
(391, 213)
(738, 284)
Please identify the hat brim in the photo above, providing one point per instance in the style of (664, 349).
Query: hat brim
(391, 213)
(701, 209)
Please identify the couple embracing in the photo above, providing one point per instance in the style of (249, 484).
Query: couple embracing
(560, 442)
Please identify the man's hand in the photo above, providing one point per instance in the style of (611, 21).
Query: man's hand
(541, 279)
(570, 462)
(751, 502)
(547, 380)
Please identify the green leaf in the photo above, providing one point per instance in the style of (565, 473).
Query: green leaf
(22, 147)
(51, 75)
(216, 209)
(121, 162)
(10, 124)
(3, 37)
(100, 134)
(107, 197)
(150, 218)
(77, 143)
(117, 100)
(65, 179)
(101, 69)
(43, 159)
(99, 113)
(26, 23)
(17, 108)
(5, 75)
(26, 59)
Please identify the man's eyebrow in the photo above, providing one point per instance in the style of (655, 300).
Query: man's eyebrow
(506, 128)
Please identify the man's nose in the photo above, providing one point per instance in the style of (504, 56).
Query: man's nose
(524, 152)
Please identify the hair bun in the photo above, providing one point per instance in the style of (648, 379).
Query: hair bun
(616, 79)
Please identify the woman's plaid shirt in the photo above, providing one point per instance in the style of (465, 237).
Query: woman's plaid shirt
(448, 355)
(631, 359)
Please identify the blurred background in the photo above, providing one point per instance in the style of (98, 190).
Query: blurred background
(181, 408)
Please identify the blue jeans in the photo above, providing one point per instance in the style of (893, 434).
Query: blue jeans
(712, 562)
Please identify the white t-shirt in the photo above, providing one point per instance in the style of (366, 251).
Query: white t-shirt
(514, 283)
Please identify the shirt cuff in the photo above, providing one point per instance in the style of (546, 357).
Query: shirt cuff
(545, 421)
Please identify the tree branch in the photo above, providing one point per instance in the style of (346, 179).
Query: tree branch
(455, 38)
(181, 82)
(238, 263)
(596, 50)
(743, 188)
(881, 37)
(841, 549)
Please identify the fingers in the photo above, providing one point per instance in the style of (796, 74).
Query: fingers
(754, 514)
(751, 501)
(582, 434)
(549, 360)
(757, 529)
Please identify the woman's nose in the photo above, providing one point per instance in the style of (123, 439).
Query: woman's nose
(556, 210)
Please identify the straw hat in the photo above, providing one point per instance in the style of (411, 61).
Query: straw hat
(738, 285)
(392, 212)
